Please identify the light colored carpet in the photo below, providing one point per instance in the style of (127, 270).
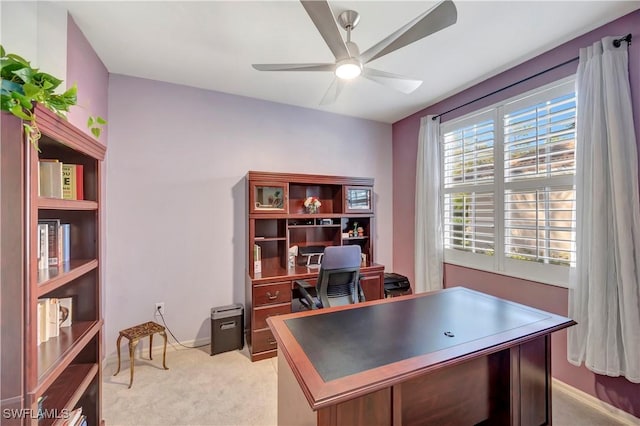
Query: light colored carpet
(229, 390)
(198, 389)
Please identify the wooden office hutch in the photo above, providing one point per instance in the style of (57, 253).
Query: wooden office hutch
(64, 370)
(279, 223)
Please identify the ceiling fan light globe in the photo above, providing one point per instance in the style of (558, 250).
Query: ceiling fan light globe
(348, 69)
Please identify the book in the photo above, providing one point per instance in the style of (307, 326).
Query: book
(39, 327)
(75, 417)
(43, 246)
(43, 320)
(53, 321)
(72, 182)
(66, 310)
(66, 242)
(50, 178)
(257, 259)
(53, 241)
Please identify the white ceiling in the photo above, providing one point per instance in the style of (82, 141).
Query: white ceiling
(212, 44)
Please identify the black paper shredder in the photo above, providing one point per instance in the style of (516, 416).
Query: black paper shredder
(227, 328)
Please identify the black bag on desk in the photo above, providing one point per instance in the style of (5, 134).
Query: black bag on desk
(396, 285)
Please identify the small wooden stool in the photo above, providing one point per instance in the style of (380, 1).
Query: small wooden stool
(134, 334)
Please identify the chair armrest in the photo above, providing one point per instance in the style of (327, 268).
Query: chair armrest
(302, 287)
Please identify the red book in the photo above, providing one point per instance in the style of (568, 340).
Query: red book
(79, 182)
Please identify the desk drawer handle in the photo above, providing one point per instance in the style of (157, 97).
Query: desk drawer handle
(271, 341)
(274, 297)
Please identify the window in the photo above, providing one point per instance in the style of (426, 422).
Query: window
(508, 186)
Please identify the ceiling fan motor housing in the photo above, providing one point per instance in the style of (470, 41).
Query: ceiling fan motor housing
(349, 19)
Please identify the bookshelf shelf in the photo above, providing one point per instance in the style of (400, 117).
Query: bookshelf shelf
(53, 278)
(56, 354)
(67, 390)
(58, 204)
(66, 369)
(263, 239)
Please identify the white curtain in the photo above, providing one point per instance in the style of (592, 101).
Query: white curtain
(428, 217)
(604, 293)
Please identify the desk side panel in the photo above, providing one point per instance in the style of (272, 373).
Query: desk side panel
(293, 407)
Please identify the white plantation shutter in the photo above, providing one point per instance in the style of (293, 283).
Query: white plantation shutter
(469, 176)
(508, 186)
(539, 168)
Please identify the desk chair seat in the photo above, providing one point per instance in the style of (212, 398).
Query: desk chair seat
(338, 280)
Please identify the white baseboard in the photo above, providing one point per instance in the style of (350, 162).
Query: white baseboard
(142, 349)
(595, 403)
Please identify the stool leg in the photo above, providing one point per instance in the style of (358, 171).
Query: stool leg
(132, 348)
(164, 350)
(150, 345)
(118, 346)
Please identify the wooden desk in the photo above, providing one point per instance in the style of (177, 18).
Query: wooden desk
(454, 356)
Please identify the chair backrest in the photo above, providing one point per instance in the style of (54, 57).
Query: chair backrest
(339, 277)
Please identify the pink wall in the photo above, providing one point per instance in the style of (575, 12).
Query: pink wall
(616, 391)
(86, 69)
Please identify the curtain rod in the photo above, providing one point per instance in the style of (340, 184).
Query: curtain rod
(616, 43)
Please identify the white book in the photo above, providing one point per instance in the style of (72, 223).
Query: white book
(43, 246)
(53, 323)
(43, 320)
(50, 178)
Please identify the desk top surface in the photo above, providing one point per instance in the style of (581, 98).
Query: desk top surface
(410, 333)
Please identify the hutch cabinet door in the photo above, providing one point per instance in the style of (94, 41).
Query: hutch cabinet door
(358, 199)
(268, 197)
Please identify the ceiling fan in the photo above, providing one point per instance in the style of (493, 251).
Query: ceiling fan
(350, 63)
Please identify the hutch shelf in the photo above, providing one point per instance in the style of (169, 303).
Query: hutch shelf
(283, 234)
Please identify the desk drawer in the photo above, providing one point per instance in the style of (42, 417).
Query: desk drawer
(263, 340)
(270, 294)
(261, 314)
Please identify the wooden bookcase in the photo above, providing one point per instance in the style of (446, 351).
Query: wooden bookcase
(278, 220)
(66, 369)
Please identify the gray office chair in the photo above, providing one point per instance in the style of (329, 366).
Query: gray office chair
(338, 279)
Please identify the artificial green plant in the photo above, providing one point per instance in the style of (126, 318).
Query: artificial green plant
(23, 86)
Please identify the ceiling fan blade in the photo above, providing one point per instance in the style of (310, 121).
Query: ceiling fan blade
(321, 15)
(333, 91)
(433, 20)
(394, 81)
(294, 67)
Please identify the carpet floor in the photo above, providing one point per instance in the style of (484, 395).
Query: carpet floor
(229, 390)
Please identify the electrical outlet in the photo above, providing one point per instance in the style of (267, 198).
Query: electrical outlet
(159, 308)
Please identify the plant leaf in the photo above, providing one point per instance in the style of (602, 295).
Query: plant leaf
(19, 59)
(42, 77)
(101, 120)
(24, 100)
(2, 52)
(31, 90)
(96, 132)
(18, 112)
(6, 102)
(25, 74)
(90, 122)
(7, 68)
